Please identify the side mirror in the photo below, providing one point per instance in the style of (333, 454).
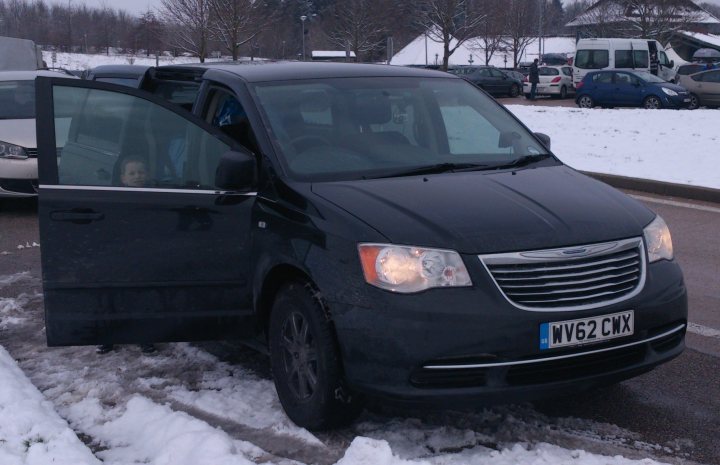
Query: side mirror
(544, 138)
(236, 170)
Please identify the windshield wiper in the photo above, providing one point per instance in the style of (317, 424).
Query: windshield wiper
(522, 161)
(430, 169)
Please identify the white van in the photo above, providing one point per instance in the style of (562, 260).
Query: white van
(629, 54)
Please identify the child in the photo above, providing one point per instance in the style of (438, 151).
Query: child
(133, 172)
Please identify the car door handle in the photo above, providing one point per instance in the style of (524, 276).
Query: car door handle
(77, 216)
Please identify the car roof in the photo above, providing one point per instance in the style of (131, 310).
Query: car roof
(30, 75)
(134, 70)
(263, 71)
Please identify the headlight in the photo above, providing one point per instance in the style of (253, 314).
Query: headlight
(669, 92)
(658, 240)
(8, 150)
(411, 269)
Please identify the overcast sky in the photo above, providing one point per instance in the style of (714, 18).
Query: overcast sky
(138, 6)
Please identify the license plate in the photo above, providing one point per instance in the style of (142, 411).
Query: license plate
(686, 100)
(586, 330)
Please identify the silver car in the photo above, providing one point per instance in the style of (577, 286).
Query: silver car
(555, 81)
(18, 144)
(704, 88)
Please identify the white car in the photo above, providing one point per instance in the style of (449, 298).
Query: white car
(18, 144)
(555, 81)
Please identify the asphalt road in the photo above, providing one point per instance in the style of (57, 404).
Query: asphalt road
(676, 406)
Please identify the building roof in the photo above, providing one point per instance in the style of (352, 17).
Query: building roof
(614, 11)
(332, 54)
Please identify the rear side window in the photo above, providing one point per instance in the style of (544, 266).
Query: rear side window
(602, 78)
(623, 59)
(641, 58)
(592, 59)
(711, 77)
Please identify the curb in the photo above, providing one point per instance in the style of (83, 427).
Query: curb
(668, 189)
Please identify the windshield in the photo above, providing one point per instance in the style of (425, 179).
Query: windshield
(648, 77)
(352, 128)
(17, 99)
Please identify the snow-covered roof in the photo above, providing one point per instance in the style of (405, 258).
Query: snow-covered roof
(711, 40)
(612, 11)
(414, 52)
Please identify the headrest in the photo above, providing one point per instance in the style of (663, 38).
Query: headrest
(372, 109)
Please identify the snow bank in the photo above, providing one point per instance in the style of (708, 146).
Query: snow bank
(31, 432)
(663, 145)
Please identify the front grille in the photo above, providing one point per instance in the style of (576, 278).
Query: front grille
(570, 278)
(21, 186)
(32, 153)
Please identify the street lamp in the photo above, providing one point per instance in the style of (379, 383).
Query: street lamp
(302, 20)
(470, 60)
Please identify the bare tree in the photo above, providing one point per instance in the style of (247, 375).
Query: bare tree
(654, 19)
(490, 30)
(237, 22)
(358, 26)
(521, 26)
(188, 25)
(450, 22)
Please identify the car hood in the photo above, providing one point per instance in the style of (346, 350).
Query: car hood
(19, 132)
(669, 85)
(491, 212)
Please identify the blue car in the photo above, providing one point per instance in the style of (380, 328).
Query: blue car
(614, 88)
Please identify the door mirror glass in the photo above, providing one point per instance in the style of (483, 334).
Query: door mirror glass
(236, 171)
(109, 138)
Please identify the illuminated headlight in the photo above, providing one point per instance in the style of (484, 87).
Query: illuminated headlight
(411, 269)
(658, 240)
(669, 92)
(8, 150)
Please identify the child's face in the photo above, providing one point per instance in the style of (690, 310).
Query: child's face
(134, 174)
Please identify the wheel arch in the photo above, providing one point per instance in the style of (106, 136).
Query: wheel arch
(275, 278)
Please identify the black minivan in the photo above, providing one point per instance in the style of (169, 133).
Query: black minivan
(383, 231)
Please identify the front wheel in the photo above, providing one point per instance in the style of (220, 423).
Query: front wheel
(514, 90)
(306, 364)
(652, 103)
(694, 102)
(585, 101)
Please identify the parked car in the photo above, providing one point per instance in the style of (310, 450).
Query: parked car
(613, 88)
(555, 81)
(18, 146)
(490, 79)
(704, 88)
(686, 70)
(126, 75)
(381, 230)
(514, 74)
(626, 54)
(554, 59)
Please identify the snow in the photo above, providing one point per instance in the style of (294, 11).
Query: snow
(663, 145)
(414, 52)
(709, 39)
(184, 406)
(81, 61)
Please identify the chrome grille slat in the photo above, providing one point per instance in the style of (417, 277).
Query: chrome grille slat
(571, 283)
(565, 267)
(572, 278)
(568, 275)
(572, 290)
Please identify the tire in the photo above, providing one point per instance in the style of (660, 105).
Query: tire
(306, 363)
(652, 103)
(563, 93)
(694, 102)
(514, 90)
(585, 101)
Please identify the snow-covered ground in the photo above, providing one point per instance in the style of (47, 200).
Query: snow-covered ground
(663, 145)
(81, 61)
(187, 405)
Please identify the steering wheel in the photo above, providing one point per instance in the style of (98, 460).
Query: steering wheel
(305, 142)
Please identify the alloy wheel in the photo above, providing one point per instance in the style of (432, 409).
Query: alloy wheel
(586, 102)
(694, 102)
(300, 355)
(653, 103)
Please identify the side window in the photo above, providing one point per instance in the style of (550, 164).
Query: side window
(225, 112)
(663, 59)
(496, 73)
(567, 71)
(712, 77)
(112, 139)
(484, 72)
(623, 59)
(641, 58)
(592, 59)
(622, 79)
(603, 78)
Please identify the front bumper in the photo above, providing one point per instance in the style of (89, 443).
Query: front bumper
(18, 178)
(680, 101)
(471, 346)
